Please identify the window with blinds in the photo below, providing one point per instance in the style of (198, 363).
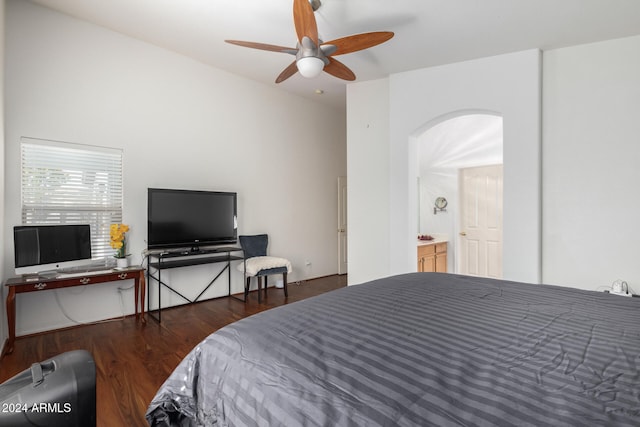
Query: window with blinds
(65, 183)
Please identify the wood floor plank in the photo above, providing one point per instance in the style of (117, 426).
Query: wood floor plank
(133, 358)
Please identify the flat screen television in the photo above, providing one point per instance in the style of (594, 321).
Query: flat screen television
(190, 218)
(45, 248)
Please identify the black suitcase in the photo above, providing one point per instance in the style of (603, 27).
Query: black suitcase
(60, 391)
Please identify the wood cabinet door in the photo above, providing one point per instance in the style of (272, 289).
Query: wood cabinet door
(429, 264)
(441, 263)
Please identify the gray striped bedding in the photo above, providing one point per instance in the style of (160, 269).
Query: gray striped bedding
(416, 350)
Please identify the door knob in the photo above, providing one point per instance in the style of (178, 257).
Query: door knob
(463, 233)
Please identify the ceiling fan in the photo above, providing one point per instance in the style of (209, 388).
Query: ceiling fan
(312, 54)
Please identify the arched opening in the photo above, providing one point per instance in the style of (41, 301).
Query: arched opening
(448, 151)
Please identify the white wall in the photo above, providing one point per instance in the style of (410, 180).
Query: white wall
(368, 168)
(181, 124)
(3, 316)
(591, 158)
(508, 85)
(590, 155)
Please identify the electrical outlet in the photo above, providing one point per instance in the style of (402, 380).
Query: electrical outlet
(307, 263)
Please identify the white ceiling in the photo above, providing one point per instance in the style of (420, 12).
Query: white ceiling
(427, 32)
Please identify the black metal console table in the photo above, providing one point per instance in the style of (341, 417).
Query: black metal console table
(176, 259)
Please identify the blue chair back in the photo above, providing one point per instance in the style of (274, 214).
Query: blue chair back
(254, 245)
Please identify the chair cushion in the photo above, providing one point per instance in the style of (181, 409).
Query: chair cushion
(255, 264)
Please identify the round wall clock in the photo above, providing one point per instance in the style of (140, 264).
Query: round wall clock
(441, 203)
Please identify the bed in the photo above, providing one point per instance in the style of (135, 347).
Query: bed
(414, 350)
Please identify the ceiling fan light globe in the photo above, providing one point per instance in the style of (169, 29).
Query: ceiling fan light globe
(310, 66)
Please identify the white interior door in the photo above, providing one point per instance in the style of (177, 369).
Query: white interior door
(481, 221)
(342, 225)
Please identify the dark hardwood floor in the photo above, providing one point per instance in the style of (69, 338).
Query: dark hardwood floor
(134, 358)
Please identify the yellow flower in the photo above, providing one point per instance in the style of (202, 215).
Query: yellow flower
(118, 239)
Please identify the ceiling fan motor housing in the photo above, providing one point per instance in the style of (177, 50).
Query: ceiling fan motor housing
(308, 49)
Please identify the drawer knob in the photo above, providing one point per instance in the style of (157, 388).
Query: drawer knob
(122, 276)
(85, 280)
(40, 286)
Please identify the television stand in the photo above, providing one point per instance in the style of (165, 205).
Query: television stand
(187, 258)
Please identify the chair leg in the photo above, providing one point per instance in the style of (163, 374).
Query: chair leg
(284, 281)
(246, 289)
(266, 284)
(259, 289)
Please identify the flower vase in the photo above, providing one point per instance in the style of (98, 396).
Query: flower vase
(122, 262)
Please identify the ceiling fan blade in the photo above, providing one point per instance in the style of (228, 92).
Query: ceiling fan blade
(305, 21)
(263, 46)
(359, 41)
(287, 72)
(339, 70)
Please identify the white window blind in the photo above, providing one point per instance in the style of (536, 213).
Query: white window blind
(65, 183)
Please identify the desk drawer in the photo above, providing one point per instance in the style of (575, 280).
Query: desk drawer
(65, 282)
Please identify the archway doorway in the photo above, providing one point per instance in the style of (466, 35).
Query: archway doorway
(445, 147)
